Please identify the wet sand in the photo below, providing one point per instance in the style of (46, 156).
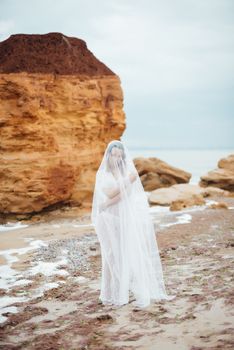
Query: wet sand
(51, 271)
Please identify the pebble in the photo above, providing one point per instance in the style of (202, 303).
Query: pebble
(76, 251)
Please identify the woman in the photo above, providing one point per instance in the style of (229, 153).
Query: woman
(120, 214)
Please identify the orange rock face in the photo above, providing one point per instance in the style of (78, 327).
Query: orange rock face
(54, 130)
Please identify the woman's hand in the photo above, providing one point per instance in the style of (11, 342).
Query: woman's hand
(103, 206)
(132, 177)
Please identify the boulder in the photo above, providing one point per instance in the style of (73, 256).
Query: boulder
(188, 193)
(182, 196)
(187, 201)
(155, 173)
(221, 177)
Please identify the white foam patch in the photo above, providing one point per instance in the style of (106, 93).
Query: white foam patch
(227, 256)
(22, 282)
(7, 301)
(181, 219)
(210, 201)
(4, 310)
(39, 292)
(184, 219)
(11, 309)
(49, 268)
(159, 209)
(80, 279)
(12, 226)
(9, 254)
(10, 278)
(72, 224)
(2, 318)
(82, 225)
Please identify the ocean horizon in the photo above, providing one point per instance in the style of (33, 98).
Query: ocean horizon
(197, 161)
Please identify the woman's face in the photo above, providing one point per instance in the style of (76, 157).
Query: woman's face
(116, 156)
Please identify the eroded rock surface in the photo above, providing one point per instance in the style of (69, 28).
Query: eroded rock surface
(59, 107)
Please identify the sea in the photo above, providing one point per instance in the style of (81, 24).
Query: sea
(196, 161)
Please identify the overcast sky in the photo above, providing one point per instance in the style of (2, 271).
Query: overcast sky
(175, 59)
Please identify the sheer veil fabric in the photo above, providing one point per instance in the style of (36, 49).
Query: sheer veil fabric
(125, 230)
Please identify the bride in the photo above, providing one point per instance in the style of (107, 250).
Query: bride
(129, 250)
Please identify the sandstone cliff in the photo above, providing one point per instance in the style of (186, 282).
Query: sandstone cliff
(59, 107)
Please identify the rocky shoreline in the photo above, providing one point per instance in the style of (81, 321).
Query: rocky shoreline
(58, 307)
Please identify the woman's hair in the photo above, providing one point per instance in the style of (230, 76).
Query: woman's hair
(118, 145)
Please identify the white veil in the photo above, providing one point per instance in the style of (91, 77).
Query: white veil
(121, 217)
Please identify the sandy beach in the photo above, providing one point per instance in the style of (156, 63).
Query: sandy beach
(50, 283)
